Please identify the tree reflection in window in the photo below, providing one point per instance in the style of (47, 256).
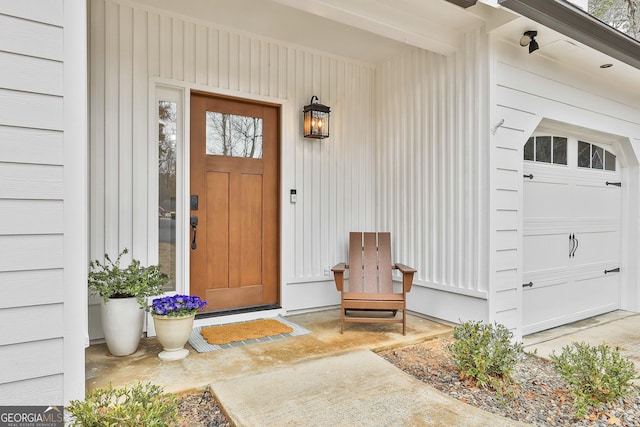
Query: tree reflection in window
(594, 157)
(546, 149)
(232, 135)
(167, 139)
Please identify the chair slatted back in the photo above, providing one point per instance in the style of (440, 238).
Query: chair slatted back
(370, 263)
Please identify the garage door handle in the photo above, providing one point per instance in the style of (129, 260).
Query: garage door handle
(613, 270)
(527, 285)
(617, 184)
(574, 245)
(572, 240)
(530, 176)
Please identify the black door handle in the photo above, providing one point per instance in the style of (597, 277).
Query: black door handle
(572, 239)
(527, 285)
(613, 270)
(574, 245)
(194, 227)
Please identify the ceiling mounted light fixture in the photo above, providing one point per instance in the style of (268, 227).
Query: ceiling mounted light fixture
(528, 38)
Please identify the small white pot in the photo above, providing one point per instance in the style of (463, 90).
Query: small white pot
(173, 333)
(122, 322)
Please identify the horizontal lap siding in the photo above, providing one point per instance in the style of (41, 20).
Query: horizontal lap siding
(333, 177)
(31, 202)
(38, 391)
(509, 139)
(432, 161)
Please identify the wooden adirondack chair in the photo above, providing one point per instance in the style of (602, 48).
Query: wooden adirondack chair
(370, 282)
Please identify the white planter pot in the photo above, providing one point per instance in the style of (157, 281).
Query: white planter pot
(122, 322)
(173, 333)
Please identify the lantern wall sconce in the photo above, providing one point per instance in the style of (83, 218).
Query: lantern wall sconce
(316, 119)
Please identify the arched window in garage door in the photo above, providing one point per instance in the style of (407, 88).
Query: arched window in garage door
(594, 157)
(546, 149)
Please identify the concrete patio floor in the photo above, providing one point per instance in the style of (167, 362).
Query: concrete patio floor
(326, 378)
(199, 370)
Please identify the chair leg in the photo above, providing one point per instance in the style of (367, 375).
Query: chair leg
(404, 321)
(342, 311)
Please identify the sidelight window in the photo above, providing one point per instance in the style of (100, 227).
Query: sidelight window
(167, 140)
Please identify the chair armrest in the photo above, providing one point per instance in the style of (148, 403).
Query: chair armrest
(340, 268)
(407, 276)
(338, 275)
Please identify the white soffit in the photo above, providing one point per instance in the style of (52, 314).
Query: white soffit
(619, 81)
(366, 30)
(283, 23)
(431, 25)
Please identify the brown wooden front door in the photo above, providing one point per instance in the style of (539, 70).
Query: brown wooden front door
(234, 174)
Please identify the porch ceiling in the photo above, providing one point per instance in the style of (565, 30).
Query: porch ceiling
(366, 30)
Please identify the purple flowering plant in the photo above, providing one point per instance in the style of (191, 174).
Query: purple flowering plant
(177, 305)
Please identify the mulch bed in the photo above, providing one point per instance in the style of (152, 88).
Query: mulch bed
(200, 410)
(539, 397)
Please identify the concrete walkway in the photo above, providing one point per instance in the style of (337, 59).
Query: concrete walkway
(355, 389)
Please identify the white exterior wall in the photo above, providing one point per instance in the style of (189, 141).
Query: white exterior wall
(432, 162)
(42, 202)
(526, 90)
(133, 47)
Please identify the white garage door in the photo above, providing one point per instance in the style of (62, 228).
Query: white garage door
(572, 231)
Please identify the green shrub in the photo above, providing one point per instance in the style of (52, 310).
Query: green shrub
(139, 405)
(110, 280)
(595, 374)
(485, 353)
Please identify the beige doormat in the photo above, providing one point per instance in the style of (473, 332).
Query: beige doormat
(211, 338)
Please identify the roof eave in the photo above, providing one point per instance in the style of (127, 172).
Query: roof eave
(573, 22)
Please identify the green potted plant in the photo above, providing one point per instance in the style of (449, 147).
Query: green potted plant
(173, 319)
(124, 292)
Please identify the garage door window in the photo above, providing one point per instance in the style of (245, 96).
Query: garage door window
(594, 157)
(546, 149)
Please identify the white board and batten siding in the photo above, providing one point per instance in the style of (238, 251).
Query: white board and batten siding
(431, 157)
(134, 47)
(34, 280)
(542, 98)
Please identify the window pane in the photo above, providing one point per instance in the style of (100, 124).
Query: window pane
(597, 157)
(584, 154)
(559, 150)
(528, 150)
(609, 161)
(543, 149)
(167, 136)
(235, 136)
